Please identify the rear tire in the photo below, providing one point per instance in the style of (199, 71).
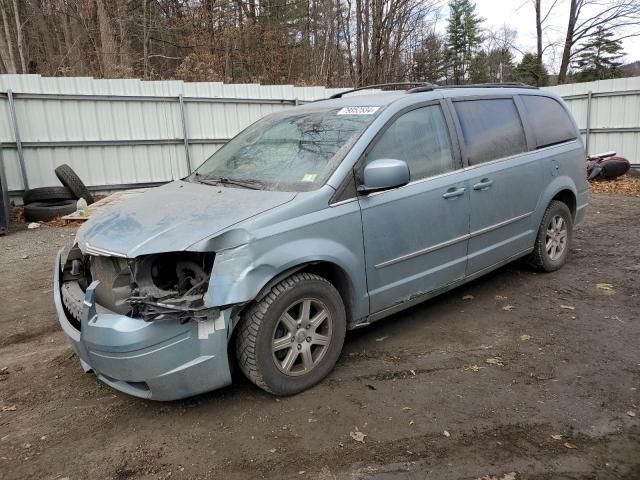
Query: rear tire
(291, 339)
(553, 242)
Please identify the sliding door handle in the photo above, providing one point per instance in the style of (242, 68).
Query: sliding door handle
(483, 184)
(453, 193)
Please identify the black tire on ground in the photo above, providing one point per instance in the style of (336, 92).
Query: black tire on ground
(72, 181)
(541, 258)
(45, 211)
(47, 194)
(259, 324)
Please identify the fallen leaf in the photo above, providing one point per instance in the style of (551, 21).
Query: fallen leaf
(358, 436)
(556, 437)
(272, 450)
(631, 413)
(567, 307)
(446, 434)
(604, 286)
(494, 361)
(508, 308)
(569, 445)
(474, 368)
(406, 409)
(468, 296)
(525, 337)
(12, 408)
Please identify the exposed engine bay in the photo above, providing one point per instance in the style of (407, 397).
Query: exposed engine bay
(162, 286)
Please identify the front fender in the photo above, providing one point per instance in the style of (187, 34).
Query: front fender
(240, 273)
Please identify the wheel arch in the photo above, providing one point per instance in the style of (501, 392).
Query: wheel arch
(567, 197)
(330, 271)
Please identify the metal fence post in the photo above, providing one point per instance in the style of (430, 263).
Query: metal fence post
(185, 134)
(16, 134)
(588, 129)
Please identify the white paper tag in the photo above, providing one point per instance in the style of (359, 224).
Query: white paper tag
(358, 110)
(205, 328)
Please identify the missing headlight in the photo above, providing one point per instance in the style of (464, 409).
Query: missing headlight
(170, 285)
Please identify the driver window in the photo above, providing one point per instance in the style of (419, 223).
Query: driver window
(420, 138)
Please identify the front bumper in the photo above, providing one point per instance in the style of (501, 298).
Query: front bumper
(162, 360)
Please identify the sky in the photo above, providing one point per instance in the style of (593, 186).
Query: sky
(520, 15)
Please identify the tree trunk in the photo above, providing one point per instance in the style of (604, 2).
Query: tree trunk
(6, 43)
(539, 40)
(107, 53)
(568, 43)
(20, 40)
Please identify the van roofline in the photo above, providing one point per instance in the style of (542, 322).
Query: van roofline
(417, 87)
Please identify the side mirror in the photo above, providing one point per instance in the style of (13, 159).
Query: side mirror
(383, 174)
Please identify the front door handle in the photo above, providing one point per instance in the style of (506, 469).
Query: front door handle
(483, 184)
(453, 193)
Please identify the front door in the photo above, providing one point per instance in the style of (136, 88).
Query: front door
(415, 236)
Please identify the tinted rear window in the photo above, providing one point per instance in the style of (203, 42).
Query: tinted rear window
(491, 129)
(551, 123)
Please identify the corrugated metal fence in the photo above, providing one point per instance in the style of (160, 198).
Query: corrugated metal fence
(118, 133)
(607, 113)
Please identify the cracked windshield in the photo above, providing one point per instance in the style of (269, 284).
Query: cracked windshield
(289, 151)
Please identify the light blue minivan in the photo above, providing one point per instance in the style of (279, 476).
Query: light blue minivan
(315, 220)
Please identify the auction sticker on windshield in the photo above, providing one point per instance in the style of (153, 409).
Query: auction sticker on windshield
(358, 110)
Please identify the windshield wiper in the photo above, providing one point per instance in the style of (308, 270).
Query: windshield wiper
(215, 180)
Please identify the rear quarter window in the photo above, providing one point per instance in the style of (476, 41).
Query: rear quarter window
(491, 129)
(550, 121)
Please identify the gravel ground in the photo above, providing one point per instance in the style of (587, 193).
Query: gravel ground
(532, 376)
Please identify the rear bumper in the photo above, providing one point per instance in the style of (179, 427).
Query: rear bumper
(581, 208)
(160, 360)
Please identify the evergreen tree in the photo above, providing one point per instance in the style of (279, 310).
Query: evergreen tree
(430, 61)
(599, 59)
(479, 68)
(463, 38)
(529, 72)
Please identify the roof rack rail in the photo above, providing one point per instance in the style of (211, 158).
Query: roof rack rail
(481, 85)
(425, 86)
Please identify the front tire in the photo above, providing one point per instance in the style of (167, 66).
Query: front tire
(292, 338)
(554, 238)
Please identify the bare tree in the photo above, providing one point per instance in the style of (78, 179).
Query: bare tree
(582, 24)
(542, 15)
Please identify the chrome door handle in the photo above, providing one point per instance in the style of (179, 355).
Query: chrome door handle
(453, 193)
(483, 184)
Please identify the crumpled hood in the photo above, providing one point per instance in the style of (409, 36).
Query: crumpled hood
(173, 217)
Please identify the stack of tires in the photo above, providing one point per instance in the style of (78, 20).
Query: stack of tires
(46, 203)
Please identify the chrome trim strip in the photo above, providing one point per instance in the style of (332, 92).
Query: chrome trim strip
(453, 241)
(499, 225)
(423, 251)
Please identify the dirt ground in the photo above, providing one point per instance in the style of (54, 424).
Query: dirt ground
(503, 365)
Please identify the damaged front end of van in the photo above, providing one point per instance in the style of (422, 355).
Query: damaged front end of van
(149, 321)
